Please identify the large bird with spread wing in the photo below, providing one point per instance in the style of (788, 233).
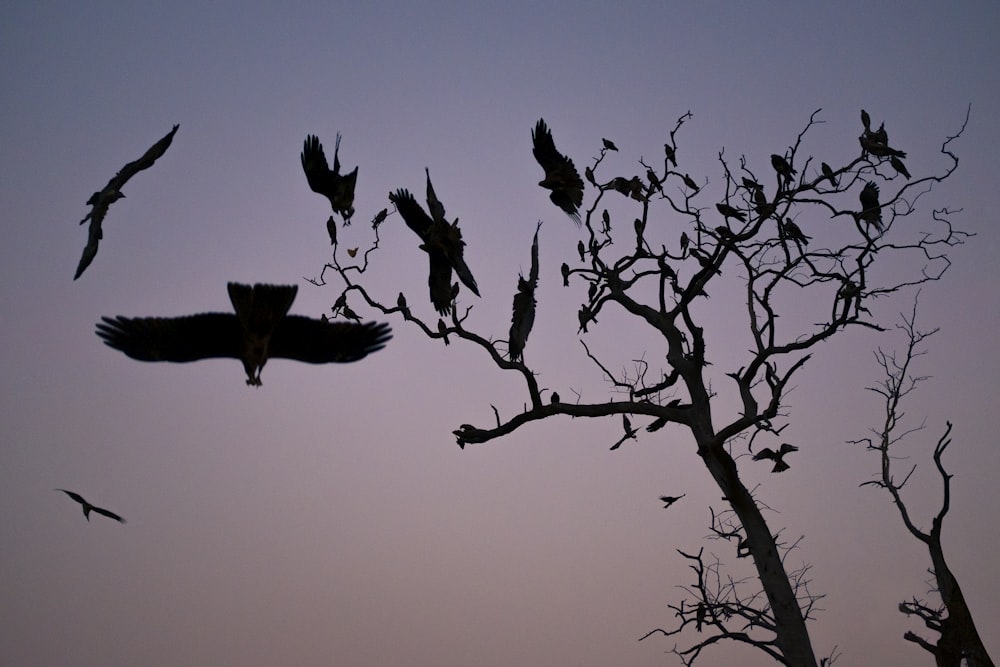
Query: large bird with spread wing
(101, 200)
(88, 508)
(337, 187)
(261, 329)
(561, 176)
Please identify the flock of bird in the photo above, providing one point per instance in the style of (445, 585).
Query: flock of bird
(261, 328)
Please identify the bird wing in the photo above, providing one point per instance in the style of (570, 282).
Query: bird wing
(318, 174)
(94, 235)
(176, 339)
(434, 204)
(766, 453)
(317, 342)
(145, 162)
(439, 278)
(561, 175)
(413, 213)
(75, 496)
(107, 513)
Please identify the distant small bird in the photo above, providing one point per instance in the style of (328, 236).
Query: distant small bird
(609, 145)
(337, 187)
(565, 274)
(898, 165)
(112, 192)
(443, 330)
(685, 241)
(728, 211)
(88, 508)
(260, 329)
(401, 304)
(793, 232)
(670, 500)
(871, 211)
(777, 456)
(671, 156)
(523, 311)
(654, 180)
(589, 174)
(689, 182)
(581, 250)
(561, 176)
(828, 174)
(781, 166)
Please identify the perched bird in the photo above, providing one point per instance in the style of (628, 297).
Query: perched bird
(793, 232)
(671, 156)
(589, 174)
(380, 218)
(443, 330)
(337, 187)
(110, 193)
(565, 274)
(751, 184)
(898, 165)
(828, 174)
(441, 240)
(878, 148)
(670, 500)
(685, 241)
(523, 317)
(609, 145)
(777, 456)
(781, 166)
(581, 249)
(401, 304)
(654, 180)
(88, 508)
(689, 182)
(260, 329)
(871, 211)
(331, 229)
(728, 211)
(561, 177)
(554, 398)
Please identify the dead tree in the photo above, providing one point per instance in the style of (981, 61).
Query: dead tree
(958, 640)
(655, 243)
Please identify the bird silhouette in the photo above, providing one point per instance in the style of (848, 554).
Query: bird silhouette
(337, 187)
(777, 456)
(441, 240)
(609, 145)
(260, 329)
(871, 211)
(828, 174)
(781, 166)
(523, 317)
(112, 192)
(561, 177)
(793, 232)
(670, 500)
(728, 211)
(88, 508)
(898, 165)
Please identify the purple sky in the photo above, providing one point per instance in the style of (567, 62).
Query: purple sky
(328, 517)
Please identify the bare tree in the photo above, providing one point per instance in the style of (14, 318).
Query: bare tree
(958, 640)
(778, 231)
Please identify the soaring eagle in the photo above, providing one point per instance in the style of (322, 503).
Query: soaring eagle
(560, 175)
(523, 317)
(337, 187)
(112, 192)
(260, 329)
(441, 240)
(88, 508)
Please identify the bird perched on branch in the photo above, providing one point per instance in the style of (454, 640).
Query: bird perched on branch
(523, 317)
(337, 187)
(728, 211)
(88, 508)
(112, 192)
(561, 177)
(441, 240)
(792, 232)
(777, 456)
(781, 166)
(260, 329)
(871, 211)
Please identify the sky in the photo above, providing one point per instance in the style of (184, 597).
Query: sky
(328, 517)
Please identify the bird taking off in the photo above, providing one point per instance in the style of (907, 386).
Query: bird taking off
(337, 187)
(260, 329)
(561, 177)
(777, 456)
(112, 192)
(88, 508)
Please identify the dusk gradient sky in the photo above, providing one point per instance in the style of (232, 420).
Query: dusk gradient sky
(328, 517)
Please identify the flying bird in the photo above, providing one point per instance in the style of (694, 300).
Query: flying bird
(337, 187)
(670, 500)
(110, 193)
(523, 317)
(561, 177)
(871, 211)
(88, 508)
(260, 329)
(441, 240)
(630, 433)
(777, 456)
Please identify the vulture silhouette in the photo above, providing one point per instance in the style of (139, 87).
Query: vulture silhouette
(88, 508)
(561, 177)
(523, 317)
(112, 192)
(337, 187)
(260, 329)
(441, 240)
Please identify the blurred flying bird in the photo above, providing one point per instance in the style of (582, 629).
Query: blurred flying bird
(337, 187)
(670, 500)
(88, 508)
(828, 174)
(871, 211)
(260, 329)
(441, 241)
(523, 316)
(777, 456)
(561, 177)
(630, 433)
(110, 193)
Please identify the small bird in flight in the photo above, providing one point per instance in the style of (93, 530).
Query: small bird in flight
(88, 508)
